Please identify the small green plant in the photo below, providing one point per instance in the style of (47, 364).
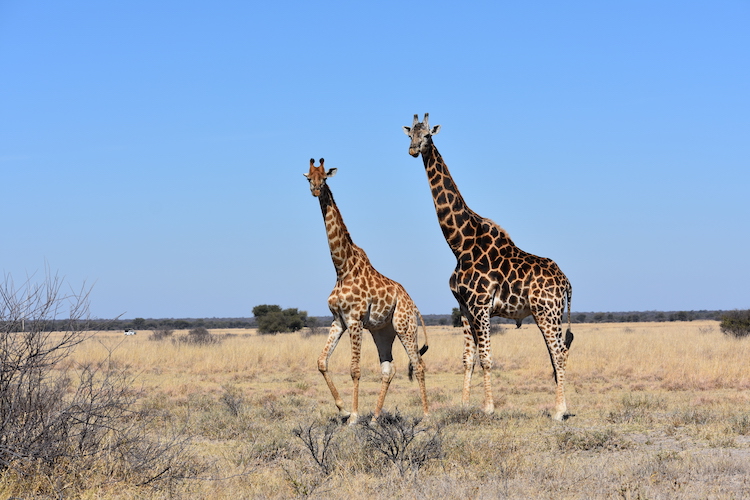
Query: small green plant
(736, 323)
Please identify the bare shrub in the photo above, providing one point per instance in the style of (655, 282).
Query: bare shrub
(403, 441)
(497, 329)
(319, 442)
(161, 334)
(62, 420)
(199, 336)
(233, 400)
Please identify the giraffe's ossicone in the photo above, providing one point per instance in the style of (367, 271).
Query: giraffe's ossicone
(364, 299)
(493, 277)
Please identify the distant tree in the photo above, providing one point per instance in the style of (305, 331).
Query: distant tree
(294, 319)
(181, 324)
(315, 327)
(272, 319)
(139, 323)
(456, 317)
(580, 318)
(736, 323)
(262, 310)
(679, 316)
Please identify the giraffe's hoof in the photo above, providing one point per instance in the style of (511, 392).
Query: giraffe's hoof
(353, 417)
(559, 415)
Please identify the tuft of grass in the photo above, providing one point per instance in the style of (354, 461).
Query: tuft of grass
(740, 424)
(635, 408)
(586, 440)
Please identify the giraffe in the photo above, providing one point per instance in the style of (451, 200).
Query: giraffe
(493, 277)
(364, 299)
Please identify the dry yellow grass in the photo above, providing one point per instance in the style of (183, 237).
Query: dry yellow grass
(660, 410)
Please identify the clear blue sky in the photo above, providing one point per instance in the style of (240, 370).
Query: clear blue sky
(155, 150)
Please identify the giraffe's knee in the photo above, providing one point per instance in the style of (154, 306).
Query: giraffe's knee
(387, 370)
(322, 364)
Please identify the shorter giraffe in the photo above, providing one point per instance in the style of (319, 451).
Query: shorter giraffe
(364, 299)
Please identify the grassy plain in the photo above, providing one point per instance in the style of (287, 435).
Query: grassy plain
(658, 410)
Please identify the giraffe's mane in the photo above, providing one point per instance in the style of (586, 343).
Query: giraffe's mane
(498, 226)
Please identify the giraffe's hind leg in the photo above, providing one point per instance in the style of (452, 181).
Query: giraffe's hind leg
(406, 327)
(384, 342)
(558, 347)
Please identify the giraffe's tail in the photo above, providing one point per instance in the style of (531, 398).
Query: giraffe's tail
(569, 333)
(424, 347)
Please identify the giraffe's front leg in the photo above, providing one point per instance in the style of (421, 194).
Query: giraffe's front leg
(333, 339)
(355, 334)
(470, 349)
(479, 344)
(485, 359)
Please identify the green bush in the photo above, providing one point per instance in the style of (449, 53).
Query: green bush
(736, 323)
(272, 319)
(456, 317)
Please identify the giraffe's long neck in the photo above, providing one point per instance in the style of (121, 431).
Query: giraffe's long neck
(456, 219)
(344, 253)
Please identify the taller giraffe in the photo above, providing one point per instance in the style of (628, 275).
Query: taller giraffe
(364, 299)
(493, 277)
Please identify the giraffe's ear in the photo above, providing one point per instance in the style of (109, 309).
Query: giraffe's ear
(407, 130)
(435, 130)
(307, 176)
(331, 172)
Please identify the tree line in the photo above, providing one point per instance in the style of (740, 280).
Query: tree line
(274, 319)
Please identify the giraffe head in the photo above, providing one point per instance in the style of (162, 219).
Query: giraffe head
(317, 176)
(421, 135)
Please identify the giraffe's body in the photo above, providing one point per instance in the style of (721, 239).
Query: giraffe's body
(493, 277)
(364, 299)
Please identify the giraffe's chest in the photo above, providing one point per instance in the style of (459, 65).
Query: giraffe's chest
(505, 298)
(368, 301)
